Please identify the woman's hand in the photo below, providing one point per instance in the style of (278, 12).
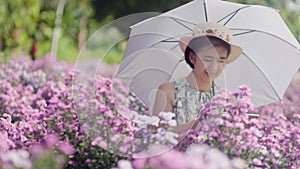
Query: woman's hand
(184, 127)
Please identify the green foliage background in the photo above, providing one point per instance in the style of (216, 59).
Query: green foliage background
(25, 22)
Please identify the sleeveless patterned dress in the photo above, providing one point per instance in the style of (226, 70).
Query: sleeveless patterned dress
(188, 101)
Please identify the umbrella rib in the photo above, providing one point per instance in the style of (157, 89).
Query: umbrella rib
(169, 40)
(253, 30)
(166, 40)
(237, 34)
(182, 59)
(263, 75)
(176, 20)
(230, 14)
(179, 21)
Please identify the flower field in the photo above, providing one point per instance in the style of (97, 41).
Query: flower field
(52, 116)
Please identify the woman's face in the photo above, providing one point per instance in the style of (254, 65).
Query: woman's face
(209, 62)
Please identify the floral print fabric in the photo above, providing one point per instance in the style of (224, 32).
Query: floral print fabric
(188, 101)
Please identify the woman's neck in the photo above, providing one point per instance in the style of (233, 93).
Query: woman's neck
(198, 84)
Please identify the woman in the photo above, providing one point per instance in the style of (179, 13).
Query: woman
(207, 52)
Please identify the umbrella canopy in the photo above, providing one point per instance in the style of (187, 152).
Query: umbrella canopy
(269, 60)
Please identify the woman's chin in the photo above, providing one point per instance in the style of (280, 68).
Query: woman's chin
(210, 77)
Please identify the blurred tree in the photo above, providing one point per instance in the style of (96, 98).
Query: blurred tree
(57, 29)
(118, 8)
(27, 25)
(76, 17)
(76, 20)
(17, 20)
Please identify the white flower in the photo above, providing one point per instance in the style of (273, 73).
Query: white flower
(263, 150)
(238, 163)
(212, 157)
(170, 137)
(166, 115)
(202, 137)
(217, 159)
(143, 120)
(219, 121)
(198, 150)
(124, 164)
(172, 123)
(275, 152)
(19, 158)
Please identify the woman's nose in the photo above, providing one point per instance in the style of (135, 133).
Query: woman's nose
(212, 67)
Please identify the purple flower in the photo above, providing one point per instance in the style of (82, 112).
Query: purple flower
(257, 162)
(66, 147)
(51, 140)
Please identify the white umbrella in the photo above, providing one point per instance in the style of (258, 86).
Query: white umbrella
(269, 61)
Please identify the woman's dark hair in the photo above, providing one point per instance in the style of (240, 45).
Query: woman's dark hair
(203, 41)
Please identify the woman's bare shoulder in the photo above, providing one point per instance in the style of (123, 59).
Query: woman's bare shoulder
(164, 98)
(167, 87)
(168, 90)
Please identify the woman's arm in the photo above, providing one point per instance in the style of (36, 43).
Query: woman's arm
(164, 102)
(184, 127)
(164, 99)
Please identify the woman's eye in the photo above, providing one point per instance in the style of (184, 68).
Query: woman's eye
(206, 59)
